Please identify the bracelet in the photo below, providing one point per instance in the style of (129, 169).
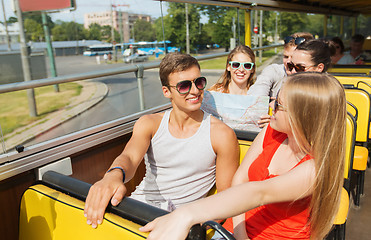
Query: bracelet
(123, 172)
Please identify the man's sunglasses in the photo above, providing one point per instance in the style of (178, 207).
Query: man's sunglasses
(297, 40)
(184, 87)
(246, 65)
(298, 67)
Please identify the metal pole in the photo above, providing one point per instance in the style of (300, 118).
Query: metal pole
(248, 28)
(325, 26)
(49, 48)
(276, 33)
(6, 28)
(120, 24)
(25, 61)
(139, 74)
(113, 34)
(261, 36)
(163, 29)
(238, 26)
(187, 29)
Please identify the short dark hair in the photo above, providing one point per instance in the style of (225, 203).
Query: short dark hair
(358, 38)
(320, 51)
(175, 62)
(338, 40)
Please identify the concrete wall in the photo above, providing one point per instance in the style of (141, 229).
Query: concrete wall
(11, 67)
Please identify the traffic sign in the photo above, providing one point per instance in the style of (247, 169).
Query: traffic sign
(256, 30)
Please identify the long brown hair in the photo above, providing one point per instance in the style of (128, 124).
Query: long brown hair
(316, 108)
(223, 83)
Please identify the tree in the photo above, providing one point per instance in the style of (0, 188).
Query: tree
(12, 20)
(95, 32)
(33, 26)
(144, 31)
(220, 24)
(175, 28)
(34, 31)
(68, 31)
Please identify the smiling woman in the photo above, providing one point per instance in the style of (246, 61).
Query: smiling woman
(239, 72)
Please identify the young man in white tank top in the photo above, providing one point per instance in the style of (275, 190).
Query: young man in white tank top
(186, 150)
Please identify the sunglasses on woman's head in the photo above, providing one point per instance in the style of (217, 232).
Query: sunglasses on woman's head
(297, 40)
(184, 87)
(246, 65)
(298, 67)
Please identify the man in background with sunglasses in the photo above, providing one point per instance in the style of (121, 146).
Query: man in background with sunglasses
(270, 80)
(186, 150)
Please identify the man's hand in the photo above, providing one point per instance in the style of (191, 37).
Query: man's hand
(110, 188)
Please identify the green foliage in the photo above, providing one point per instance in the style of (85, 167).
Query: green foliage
(34, 30)
(68, 31)
(33, 26)
(12, 20)
(94, 32)
(144, 31)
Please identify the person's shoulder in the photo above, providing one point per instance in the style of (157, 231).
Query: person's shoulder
(346, 59)
(150, 120)
(219, 127)
(274, 68)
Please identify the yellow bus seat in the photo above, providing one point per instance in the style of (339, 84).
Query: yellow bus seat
(340, 220)
(244, 145)
(54, 209)
(361, 99)
(350, 70)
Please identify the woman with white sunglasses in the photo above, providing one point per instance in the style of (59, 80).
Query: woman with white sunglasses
(239, 73)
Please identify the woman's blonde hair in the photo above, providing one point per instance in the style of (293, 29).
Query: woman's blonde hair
(223, 83)
(316, 107)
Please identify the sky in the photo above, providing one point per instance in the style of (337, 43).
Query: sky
(150, 7)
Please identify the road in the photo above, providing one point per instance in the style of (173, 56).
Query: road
(122, 98)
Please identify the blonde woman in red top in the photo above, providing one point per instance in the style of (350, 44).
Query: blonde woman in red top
(289, 183)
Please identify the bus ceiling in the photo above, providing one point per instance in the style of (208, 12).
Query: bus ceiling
(328, 7)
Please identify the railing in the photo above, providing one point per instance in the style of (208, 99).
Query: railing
(14, 163)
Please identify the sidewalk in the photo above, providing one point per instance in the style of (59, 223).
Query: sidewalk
(91, 94)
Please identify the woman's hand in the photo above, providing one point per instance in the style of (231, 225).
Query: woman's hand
(173, 226)
(264, 120)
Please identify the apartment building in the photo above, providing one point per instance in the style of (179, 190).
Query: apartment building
(123, 22)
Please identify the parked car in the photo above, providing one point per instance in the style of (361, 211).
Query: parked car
(136, 58)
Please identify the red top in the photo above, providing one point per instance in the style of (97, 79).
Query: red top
(285, 220)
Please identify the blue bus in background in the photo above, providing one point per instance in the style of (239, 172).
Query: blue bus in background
(98, 49)
(127, 49)
(148, 48)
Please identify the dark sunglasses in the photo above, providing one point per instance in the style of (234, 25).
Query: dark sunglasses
(297, 40)
(298, 67)
(277, 106)
(246, 65)
(184, 87)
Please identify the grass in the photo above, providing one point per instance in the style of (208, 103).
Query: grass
(14, 112)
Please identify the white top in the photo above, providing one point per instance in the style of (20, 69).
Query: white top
(178, 170)
(269, 82)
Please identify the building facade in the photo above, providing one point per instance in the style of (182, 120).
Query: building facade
(123, 22)
(13, 33)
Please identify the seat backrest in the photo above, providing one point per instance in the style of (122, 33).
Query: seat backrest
(361, 100)
(54, 209)
(353, 80)
(351, 127)
(244, 146)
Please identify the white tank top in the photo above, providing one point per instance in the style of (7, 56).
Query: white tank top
(184, 169)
